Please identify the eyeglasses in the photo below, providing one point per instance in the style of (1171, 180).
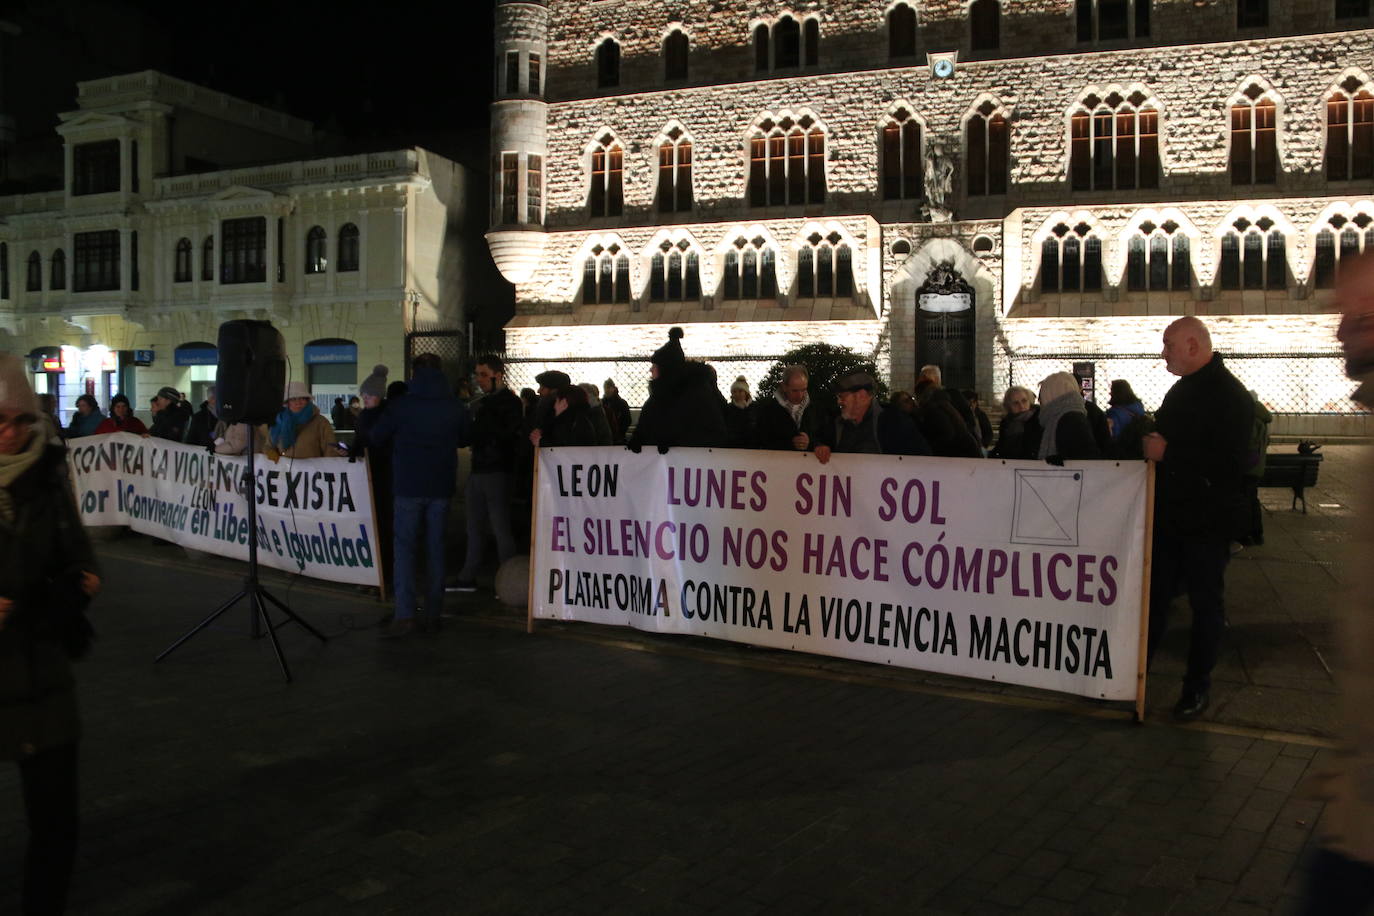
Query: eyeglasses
(19, 419)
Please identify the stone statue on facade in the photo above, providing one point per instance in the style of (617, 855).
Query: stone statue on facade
(939, 182)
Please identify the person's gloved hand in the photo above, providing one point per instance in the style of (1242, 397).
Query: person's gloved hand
(663, 448)
(634, 447)
(352, 457)
(1056, 460)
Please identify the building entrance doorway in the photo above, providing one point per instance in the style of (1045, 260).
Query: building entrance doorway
(945, 326)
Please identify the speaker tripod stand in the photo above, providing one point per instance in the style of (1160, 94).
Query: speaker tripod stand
(258, 596)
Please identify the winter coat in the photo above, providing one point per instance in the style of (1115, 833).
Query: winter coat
(880, 432)
(496, 422)
(1259, 441)
(1073, 438)
(1097, 426)
(574, 426)
(1121, 416)
(1205, 420)
(600, 425)
(84, 426)
(683, 410)
(42, 554)
(201, 430)
(170, 422)
(944, 428)
(739, 425)
(774, 427)
(984, 427)
(130, 424)
(1011, 436)
(314, 439)
(616, 406)
(425, 428)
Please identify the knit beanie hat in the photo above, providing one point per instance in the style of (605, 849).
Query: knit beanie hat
(169, 393)
(15, 391)
(670, 356)
(741, 384)
(375, 384)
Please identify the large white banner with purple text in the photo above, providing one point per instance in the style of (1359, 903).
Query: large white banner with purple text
(314, 515)
(1013, 571)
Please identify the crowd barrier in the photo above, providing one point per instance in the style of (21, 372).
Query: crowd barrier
(314, 516)
(1013, 571)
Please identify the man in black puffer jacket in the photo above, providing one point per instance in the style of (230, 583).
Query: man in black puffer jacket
(684, 404)
(1200, 444)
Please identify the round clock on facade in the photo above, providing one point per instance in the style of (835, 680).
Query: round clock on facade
(944, 67)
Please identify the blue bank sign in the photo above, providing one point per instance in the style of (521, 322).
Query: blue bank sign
(194, 356)
(316, 354)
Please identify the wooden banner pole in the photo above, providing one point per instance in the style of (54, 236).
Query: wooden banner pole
(1144, 654)
(376, 531)
(534, 530)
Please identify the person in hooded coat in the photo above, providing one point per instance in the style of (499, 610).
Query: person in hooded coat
(684, 407)
(425, 429)
(572, 423)
(1065, 434)
(48, 575)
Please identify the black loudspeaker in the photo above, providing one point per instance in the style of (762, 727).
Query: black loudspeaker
(251, 380)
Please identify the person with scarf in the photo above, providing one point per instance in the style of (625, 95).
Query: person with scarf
(86, 419)
(1064, 431)
(121, 418)
(740, 415)
(1018, 414)
(300, 430)
(48, 575)
(790, 419)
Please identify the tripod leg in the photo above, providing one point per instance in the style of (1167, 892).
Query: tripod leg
(291, 615)
(261, 612)
(202, 625)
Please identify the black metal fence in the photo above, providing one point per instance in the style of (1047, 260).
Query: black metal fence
(1287, 383)
(631, 374)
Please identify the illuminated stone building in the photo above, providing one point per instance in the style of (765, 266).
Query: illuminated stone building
(1002, 188)
(183, 207)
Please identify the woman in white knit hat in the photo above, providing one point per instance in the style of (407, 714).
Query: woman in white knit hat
(300, 430)
(47, 576)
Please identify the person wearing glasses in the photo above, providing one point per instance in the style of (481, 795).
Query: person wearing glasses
(47, 576)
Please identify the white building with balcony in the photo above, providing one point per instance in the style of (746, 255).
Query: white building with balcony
(170, 223)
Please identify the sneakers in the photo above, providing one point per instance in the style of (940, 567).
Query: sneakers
(397, 629)
(461, 585)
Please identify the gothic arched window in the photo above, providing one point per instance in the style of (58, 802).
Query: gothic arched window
(787, 163)
(607, 64)
(824, 268)
(1338, 240)
(1350, 132)
(1253, 256)
(901, 32)
(750, 271)
(606, 275)
(1254, 138)
(606, 196)
(1112, 20)
(903, 172)
(986, 140)
(675, 173)
(675, 56)
(1114, 144)
(675, 273)
(1071, 260)
(1158, 257)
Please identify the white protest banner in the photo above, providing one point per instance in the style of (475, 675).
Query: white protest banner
(1017, 571)
(314, 515)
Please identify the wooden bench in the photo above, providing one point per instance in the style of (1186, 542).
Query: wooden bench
(1293, 471)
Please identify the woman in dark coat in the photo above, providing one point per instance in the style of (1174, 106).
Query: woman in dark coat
(684, 407)
(572, 423)
(47, 575)
(1018, 411)
(941, 423)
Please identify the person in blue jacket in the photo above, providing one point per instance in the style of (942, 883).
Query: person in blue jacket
(425, 430)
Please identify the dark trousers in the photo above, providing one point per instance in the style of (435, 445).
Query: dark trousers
(49, 783)
(1254, 533)
(1338, 886)
(1196, 566)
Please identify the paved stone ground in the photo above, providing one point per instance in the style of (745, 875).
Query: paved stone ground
(584, 770)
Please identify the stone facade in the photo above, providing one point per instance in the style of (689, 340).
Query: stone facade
(846, 86)
(168, 204)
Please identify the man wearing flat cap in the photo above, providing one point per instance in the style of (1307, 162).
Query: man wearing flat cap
(864, 427)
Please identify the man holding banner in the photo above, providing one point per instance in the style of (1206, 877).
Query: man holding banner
(1203, 434)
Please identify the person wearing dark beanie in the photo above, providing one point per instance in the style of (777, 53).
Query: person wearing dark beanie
(684, 405)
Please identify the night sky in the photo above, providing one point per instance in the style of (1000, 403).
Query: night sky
(378, 74)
